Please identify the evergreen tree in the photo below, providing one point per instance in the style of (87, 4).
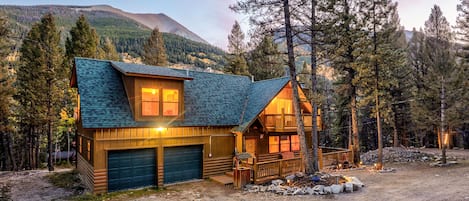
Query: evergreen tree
(342, 38)
(109, 50)
(236, 61)
(83, 41)
(265, 61)
(7, 161)
(383, 58)
(40, 77)
(154, 52)
(463, 58)
(441, 79)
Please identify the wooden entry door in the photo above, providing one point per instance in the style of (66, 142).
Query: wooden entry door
(251, 145)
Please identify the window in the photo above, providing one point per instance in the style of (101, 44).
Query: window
(150, 102)
(295, 143)
(80, 144)
(284, 143)
(170, 102)
(273, 144)
(88, 150)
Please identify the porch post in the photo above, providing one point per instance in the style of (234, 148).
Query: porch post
(239, 142)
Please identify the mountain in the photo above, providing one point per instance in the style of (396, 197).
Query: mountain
(124, 29)
(162, 21)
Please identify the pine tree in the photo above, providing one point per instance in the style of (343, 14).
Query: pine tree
(109, 50)
(154, 52)
(265, 61)
(342, 37)
(83, 41)
(40, 76)
(236, 61)
(441, 79)
(7, 161)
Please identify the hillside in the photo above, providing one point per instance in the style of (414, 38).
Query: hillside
(127, 34)
(162, 21)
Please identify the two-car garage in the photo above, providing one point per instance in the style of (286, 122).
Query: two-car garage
(138, 167)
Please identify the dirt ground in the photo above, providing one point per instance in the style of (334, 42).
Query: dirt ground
(410, 181)
(30, 185)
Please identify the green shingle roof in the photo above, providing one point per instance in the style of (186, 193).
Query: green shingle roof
(210, 99)
(140, 69)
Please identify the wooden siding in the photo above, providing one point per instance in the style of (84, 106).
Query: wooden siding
(86, 172)
(217, 143)
(217, 166)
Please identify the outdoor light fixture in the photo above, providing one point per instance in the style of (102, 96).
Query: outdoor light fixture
(160, 129)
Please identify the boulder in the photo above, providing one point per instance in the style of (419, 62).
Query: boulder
(318, 189)
(336, 189)
(348, 187)
(290, 177)
(357, 184)
(327, 190)
(277, 182)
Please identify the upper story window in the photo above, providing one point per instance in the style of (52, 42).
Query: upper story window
(150, 102)
(170, 102)
(155, 105)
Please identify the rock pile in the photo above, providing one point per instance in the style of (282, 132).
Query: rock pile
(396, 154)
(294, 185)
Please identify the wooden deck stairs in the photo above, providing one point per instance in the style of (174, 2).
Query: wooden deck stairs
(225, 179)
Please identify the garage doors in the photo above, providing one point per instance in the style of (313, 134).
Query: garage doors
(182, 163)
(131, 169)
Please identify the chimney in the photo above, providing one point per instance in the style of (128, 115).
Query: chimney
(287, 71)
(252, 78)
(187, 72)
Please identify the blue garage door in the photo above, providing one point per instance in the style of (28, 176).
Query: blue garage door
(182, 163)
(131, 169)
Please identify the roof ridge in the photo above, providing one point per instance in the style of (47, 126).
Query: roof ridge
(277, 78)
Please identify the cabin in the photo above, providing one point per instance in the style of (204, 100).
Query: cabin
(141, 125)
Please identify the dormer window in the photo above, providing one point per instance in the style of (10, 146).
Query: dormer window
(170, 102)
(150, 102)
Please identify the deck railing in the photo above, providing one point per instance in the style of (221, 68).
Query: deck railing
(282, 121)
(265, 171)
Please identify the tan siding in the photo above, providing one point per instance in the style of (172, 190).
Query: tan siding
(139, 138)
(86, 172)
(217, 166)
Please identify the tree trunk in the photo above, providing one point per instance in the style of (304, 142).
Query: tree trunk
(3, 153)
(49, 127)
(296, 101)
(355, 139)
(314, 132)
(443, 126)
(10, 152)
(378, 119)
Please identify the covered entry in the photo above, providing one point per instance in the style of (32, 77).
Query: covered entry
(131, 169)
(182, 163)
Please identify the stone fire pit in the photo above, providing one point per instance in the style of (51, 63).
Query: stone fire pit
(300, 184)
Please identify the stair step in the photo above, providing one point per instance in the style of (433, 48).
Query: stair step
(222, 179)
(230, 173)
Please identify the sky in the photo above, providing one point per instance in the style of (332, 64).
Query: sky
(212, 19)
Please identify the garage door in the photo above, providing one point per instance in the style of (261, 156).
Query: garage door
(182, 163)
(131, 169)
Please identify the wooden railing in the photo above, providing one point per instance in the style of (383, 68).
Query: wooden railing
(266, 171)
(329, 156)
(285, 121)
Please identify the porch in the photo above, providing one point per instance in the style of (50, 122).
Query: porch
(267, 167)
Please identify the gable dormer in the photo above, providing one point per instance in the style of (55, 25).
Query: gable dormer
(154, 93)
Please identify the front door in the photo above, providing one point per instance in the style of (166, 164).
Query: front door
(251, 146)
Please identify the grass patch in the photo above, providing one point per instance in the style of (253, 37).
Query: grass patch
(120, 195)
(68, 180)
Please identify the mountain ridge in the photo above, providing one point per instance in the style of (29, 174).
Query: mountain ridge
(150, 20)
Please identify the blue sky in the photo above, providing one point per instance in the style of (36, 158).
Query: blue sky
(212, 19)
